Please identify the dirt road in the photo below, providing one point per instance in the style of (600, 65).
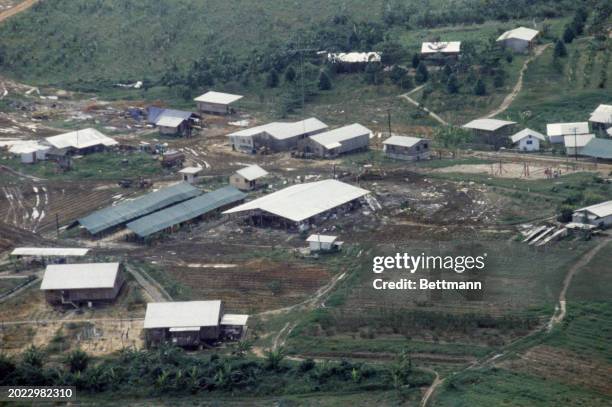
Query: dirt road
(561, 308)
(431, 389)
(417, 104)
(519, 83)
(151, 287)
(17, 9)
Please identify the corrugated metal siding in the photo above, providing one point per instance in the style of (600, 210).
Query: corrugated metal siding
(124, 212)
(185, 211)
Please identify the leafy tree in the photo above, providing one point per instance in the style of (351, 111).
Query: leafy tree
(290, 74)
(401, 369)
(452, 137)
(452, 85)
(565, 214)
(274, 357)
(392, 52)
(422, 75)
(7, 367)
(324, 81)
(499, 79)
(407, 83)
(33, 356)
(397, 74)
(568, 35)
(77, 361)
(416, 60)
(447, 70)
(560, 50)
(272, 79)
(374, 73)
(480, 89)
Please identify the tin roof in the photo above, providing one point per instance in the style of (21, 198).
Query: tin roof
(234, 319)
(579, 140)
(487, 124)
(603, 114)
(334, 138)
(451, 47)
(79, 276)
(598, 148)
(219, 98)
(322, 238)
(48, 251)
(520, 33)
(182, 314)
(80, 139)
(184, 211)
(303, 201)
(252, 172)
(516, 137)
(403, 141)
(283, 130)
(600, 210)
(128, 210)
(562, 129)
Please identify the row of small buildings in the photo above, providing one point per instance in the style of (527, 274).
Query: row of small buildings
(314, 138)
(577, 138)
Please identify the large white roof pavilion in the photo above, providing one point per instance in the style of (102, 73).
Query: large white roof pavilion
(302, 201)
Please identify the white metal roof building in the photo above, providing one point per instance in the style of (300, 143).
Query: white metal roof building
(218, 98)
(216, 102)
(579, 140)
(487, 124)
(556, 131)
(80, 276)
(252, 172)
(406, 148)
(520, 33)
(598, 214)
(402, 141)
(520, 39)
(354, 57)
(277, 136)
(602, 115)
(300, 202)
(451, 47)
(525, 133)
(322, 238)
(575, 144)
(80, 139)
(191, 170)
(341, 140)
(527, 140)
(186, 315)
(49, 251)
(234, 319)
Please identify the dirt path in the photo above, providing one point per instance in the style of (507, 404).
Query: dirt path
(561, 308)
(309, 303)
(557, 317)
(519, 83)
(152, 287)
(431, 389)
(417, 104)
(66, 319)
(17, 9)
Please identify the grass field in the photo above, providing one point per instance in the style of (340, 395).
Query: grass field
(577, 83)
(100, 166)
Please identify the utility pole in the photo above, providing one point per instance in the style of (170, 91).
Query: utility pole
(57, 225)
(575, 145)
(389, 120)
